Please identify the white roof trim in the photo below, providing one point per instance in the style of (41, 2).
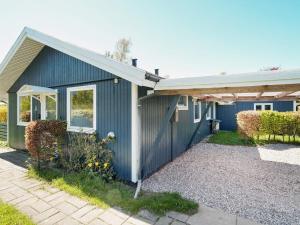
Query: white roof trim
(38, 40)
(280, 77)
(35, 90)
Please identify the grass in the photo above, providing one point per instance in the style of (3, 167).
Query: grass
(3, 144)
(11, 216)
(94, 190)
(234, 138)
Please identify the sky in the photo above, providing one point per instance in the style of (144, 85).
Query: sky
(181, 38)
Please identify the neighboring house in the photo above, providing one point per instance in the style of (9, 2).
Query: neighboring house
(46, 78)
(227, 112)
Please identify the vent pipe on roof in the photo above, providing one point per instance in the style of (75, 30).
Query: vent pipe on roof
(134, 62)
(156, 71)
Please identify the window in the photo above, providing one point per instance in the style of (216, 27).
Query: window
(208, 114)
(81, 108)
(50, 107)
(197, 111)
(263, 106)
(24, 110)
(297, 106)
(183, 103)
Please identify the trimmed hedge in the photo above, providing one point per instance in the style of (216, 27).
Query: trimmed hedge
(255, 123)
(42, 138)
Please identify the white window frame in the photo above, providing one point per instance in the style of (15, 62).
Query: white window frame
(184, 107)
(195, 102)
(43, 107)
(208, 113)
(20, 123)
(263, 106)
(82, 129)
(214, 111)
(295, 104)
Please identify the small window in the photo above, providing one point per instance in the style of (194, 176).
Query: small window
(81, 104)
(208, 114)
(24, 112)
(183, 103)
(263, 106)
(197, 111)
(51, 111)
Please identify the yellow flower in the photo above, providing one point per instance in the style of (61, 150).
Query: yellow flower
(96, 163)
(90, 165)
(105, 165)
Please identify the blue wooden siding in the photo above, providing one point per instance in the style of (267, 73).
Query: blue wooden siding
(176, 137)
(227, 113)
(57, 70)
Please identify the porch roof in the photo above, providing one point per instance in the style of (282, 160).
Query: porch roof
(35, 90)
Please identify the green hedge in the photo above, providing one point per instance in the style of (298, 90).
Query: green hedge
(255, 123)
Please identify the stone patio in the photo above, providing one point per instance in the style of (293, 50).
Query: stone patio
(48, 205)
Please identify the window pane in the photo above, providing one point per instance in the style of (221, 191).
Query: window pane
(51, 107)
(267, 107)
(196, 110)
(182, 101)
(258, 107)
(25, 109)
(82, 108)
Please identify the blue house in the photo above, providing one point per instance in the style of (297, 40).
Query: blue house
(154, 119)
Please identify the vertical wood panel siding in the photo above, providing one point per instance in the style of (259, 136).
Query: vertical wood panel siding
(57, 70)
(227, 113)
(176, 137)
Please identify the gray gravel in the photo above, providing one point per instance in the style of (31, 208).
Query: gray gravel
(261, 184)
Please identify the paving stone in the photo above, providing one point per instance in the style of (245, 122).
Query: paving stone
(97, 222)
(29, 211)
(29, 201)
(111, 218)
(54, 196)
(68, 221)
(81, 212)
(209, 216)
(164, 221)
(90, 216)
(44, 215)
(53, 219)
(243, 221)
(41, 193)
(176, 222)
(137, 220)
(178, 216)
(66, 208)
(7, 196)
(21, 199)
(148, 215)
(56, 201)
(119, 212)
(41, 206)
(76, 202)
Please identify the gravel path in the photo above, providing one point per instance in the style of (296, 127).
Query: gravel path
(262, 184)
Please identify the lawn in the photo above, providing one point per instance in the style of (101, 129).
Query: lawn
(234, 138)
(96, 191)
(11, 216)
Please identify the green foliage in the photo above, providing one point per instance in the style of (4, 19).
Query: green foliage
(85, 152)
(11, 216)
(3, 114)
(230, 138)
(115, 193)
(269, 123)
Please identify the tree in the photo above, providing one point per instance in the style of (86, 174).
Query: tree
(122, 50)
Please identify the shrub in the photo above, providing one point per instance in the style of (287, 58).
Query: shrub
(85, 152)
(249, 123)
(43, 138)
(3, 114)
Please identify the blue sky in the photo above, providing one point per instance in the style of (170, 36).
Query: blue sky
(182, 38)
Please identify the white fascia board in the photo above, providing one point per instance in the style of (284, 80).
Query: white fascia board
(234, 80)
(127, 72)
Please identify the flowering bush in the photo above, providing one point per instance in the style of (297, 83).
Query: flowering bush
(85, 152)
(43, 138)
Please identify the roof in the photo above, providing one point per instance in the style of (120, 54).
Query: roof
(279, 77)
(31, 42)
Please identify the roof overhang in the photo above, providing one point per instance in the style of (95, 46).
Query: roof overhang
(265, 85)
(31, 42)
(36, 90)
